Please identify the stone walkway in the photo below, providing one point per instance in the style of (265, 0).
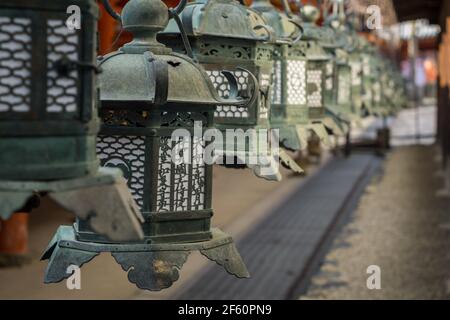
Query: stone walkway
(402, 227)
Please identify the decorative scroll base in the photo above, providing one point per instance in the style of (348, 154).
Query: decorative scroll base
(263, 166)
(149, 266)
(267, 166)
(338, 128)
(102, 199)
(294, 137)
(319, 129)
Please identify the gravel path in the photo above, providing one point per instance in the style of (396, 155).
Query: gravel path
(402, 227)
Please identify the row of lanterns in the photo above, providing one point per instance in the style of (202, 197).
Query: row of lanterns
(207, 64)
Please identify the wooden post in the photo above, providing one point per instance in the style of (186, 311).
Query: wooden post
(13, 239)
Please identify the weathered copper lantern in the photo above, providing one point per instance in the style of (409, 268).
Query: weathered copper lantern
(226, 34)
(367, 51)
(155, 104)
(342, 92)
(289, 111)
(48, 118)
(328, 61)
(352, 47)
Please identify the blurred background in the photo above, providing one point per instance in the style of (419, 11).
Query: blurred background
(311, 236)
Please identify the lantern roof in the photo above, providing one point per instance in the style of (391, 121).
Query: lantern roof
(147, 72)
(285, 28)
(311, 31)
(221, 18)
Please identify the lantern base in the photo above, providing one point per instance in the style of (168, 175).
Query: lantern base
(149, 266)
(294, 137)
(267, 166)
(102, 199)
(338, 126)
(319, 129)
(263, 165)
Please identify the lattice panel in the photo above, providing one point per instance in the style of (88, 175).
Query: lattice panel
(343, 94)
(15, 64)
(128, 154)
(296, 83)
(198, 175)
(223, 88)
(314, 78)
(329, 72)
(61, 91)
(356, 73)
(181, 186)
(277, 86)
(366, 66)
(377, 92)
(265, 81)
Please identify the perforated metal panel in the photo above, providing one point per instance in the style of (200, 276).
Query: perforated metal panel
(223, 88)
(61, 91)
(181, 186)
(128, 154)
(314, 79)
(296, 83)
(329, 72)
(356, 73)
(277, 86)
(343, 94)
(15, 64)
(366, 65)
(377, 92)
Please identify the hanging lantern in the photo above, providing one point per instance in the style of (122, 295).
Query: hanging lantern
(226, 34)
(356, 65)
(377, 87)
(316, 70)
(332, 46)
(367, 51)
(155, 104)
(289, 111)
(343, 95)
(48, 117)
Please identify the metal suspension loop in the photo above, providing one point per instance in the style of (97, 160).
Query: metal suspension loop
(180, 7)
(287, 8)
(299, 5)
(174, 14)
(111, 11)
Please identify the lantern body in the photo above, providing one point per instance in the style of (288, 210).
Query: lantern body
(157, 107)
(356, 80)
(45, 112)
(368, 74)
(48, 117)
(336, 72)
(316, 76)
(175, 199)
(227, 35)
(289, 110)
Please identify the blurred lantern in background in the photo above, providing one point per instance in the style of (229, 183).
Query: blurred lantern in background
(336, 68)
(226, 34)
(289, 111)
(157, 107)
(318, 60)
(367, 51)
(48, 117)
(356, 64)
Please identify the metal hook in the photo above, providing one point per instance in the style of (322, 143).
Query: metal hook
(270, 32)
(300, 31)
(287, 8)
(174, 13)
(180, 7)
(234, 98)
(111, 11)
